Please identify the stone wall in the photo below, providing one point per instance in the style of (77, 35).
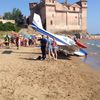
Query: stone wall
(5, 21)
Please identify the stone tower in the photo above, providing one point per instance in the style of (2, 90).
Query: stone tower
(83, 4)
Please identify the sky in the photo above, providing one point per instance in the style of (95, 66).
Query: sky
(93, 17)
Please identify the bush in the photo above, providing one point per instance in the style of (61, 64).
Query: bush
(8, 27)
(1, 26)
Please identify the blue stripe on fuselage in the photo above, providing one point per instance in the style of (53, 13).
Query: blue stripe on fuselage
(47, 33)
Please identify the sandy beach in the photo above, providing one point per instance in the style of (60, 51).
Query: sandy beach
(24, 78)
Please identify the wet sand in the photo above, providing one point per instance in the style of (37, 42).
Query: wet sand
(22, 78)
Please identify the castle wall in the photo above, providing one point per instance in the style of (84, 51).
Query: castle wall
(73, 21)
(59, 20)
(50, 18)
(43, 15)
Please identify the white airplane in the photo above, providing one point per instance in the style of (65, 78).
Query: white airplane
(61, 40)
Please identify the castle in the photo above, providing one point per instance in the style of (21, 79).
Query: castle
(61, 16)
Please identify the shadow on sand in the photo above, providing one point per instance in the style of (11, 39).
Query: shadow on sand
(60, 56)
(38, 58)
(63, 56)
(7, 52)
(27, 52)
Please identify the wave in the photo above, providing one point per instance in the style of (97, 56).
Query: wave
(92, 44)
(97, 45)
(88, 43)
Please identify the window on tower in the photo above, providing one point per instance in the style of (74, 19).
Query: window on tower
(74, 8)
(53, 1)
(51, 22)
(84, 3)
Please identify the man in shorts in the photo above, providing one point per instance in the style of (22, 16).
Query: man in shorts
(49, 48)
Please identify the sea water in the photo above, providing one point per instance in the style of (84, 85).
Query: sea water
(93, 57)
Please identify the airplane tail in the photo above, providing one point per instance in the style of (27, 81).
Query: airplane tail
(37, 20)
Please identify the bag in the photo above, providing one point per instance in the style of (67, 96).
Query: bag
(39, 58)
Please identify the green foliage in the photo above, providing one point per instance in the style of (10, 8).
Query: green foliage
(8, 16)
(16, 15)
(8, 27)
(1, 26)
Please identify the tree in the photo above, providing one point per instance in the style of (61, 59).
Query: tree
(16, 15)
(7, 15)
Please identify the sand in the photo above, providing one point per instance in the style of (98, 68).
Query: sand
(24, 78)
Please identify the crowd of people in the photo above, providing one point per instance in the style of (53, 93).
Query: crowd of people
(18, 40)
(48, 45)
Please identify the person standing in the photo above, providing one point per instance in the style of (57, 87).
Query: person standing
(49, 48)
(17, 41)
(54, 47)
(43, 42)
(7, 40)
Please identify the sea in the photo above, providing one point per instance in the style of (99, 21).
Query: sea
(93, 50)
